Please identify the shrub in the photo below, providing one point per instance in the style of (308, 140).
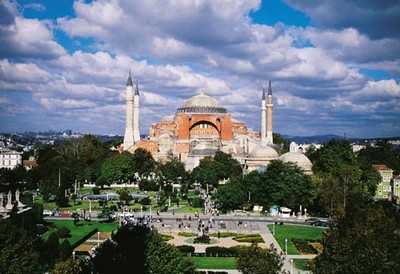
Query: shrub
(63, 232)
(197, 202)
(221, 251)
(166, 237)
(95, 190)
(186, 248)
(187, 234)
(248, 238)
(145, 201)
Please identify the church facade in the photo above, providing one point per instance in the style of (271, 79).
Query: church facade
(199, 128)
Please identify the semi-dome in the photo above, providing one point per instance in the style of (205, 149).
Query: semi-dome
(263, 152)
(204, 148)
(298, 158)
(202, 103)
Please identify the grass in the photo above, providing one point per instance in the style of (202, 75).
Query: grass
(80, 231)
(300, 264)
(289, 232)
(214, 262)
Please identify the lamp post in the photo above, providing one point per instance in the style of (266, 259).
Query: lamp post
(73, 255)
(291, 265)
(98, 237)
(141, 211)
(285, 246)
(273, 228)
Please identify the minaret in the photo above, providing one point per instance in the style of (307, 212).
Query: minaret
(270, 139)
(136, 115)
(263, 119)
(128, 137)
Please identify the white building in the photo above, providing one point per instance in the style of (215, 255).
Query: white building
(10, 158)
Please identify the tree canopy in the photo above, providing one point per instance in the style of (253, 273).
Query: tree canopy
(138, 248)
(256, 260)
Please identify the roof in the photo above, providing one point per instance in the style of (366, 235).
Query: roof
(298, 158)
(263, 152)
(381, 167)
(202, 103)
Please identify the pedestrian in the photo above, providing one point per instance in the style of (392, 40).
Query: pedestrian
(219, 234)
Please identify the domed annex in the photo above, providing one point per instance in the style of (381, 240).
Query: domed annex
(261, 155)
(298, 158)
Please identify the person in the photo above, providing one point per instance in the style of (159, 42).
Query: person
(219, 234)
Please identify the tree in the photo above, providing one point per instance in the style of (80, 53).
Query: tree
(365, 240)
(18, 249)
(172, 169)
(138, 247)
(256, 260)
(213, 169)
(282, 184)
(66, 267)
(143, 162)
(125, 196)
(118, 167)
(232, 195)
(101, 182)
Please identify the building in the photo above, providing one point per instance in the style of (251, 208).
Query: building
(199, 128)
(384, 188)
(396, 187)
(10, 158)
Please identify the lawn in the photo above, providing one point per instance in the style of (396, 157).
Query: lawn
(289, 232)
(81, 230)
(214, 262)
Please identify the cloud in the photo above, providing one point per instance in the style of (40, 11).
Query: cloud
(377, 19)
(26, 38)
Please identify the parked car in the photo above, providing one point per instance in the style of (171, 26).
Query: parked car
(47, 212)
(66, 213)
(312, 221)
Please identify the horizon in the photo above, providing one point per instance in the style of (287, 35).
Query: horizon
(64, 66)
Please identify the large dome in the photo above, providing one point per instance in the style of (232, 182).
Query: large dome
(298, 158)
(202, 104)
(263, 152)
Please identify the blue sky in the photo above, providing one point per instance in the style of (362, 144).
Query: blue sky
(64, 64)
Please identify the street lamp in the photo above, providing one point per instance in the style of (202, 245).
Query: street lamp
(73, 255)
(285, 246)
(273, 228)
(98, 237)
(291, 265)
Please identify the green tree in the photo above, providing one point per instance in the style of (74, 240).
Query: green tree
(282, 184)
(118, 167)
(232, 195)
(172, 169)
(363, 241)
(142, 249)
(382, 153)
(143, 162)
(125, 196)
(101, 182)
(213, 169)
(256, 260)
(67, 266)
(18, 249)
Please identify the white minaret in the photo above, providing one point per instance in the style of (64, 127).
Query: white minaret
(128, 137)
(270, 139)
(136, 115)
(263, 119)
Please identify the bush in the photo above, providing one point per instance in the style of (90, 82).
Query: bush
(63, 232)
(186, 248)
(145, 201)
(166, 237)
(95, 190)
(248, 238)
(222, 251)
(197, 202)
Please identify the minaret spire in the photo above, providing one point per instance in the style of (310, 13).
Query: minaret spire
(136, 115)
(263, 119)
(128, 136)
(270, 139)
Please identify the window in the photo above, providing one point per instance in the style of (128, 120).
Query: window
(380, 192)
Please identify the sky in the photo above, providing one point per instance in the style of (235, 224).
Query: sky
(334, 65)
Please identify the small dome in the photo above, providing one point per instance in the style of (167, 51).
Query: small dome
(202, 104)
(263, 152)
(298, 158)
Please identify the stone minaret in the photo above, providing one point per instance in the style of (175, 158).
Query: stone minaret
(263, 119)
(136, 115)
(128, 137)
(270, 139)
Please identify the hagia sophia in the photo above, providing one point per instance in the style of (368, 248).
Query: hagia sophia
(200, 127)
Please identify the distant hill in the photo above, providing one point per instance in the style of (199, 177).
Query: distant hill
(317, 139)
